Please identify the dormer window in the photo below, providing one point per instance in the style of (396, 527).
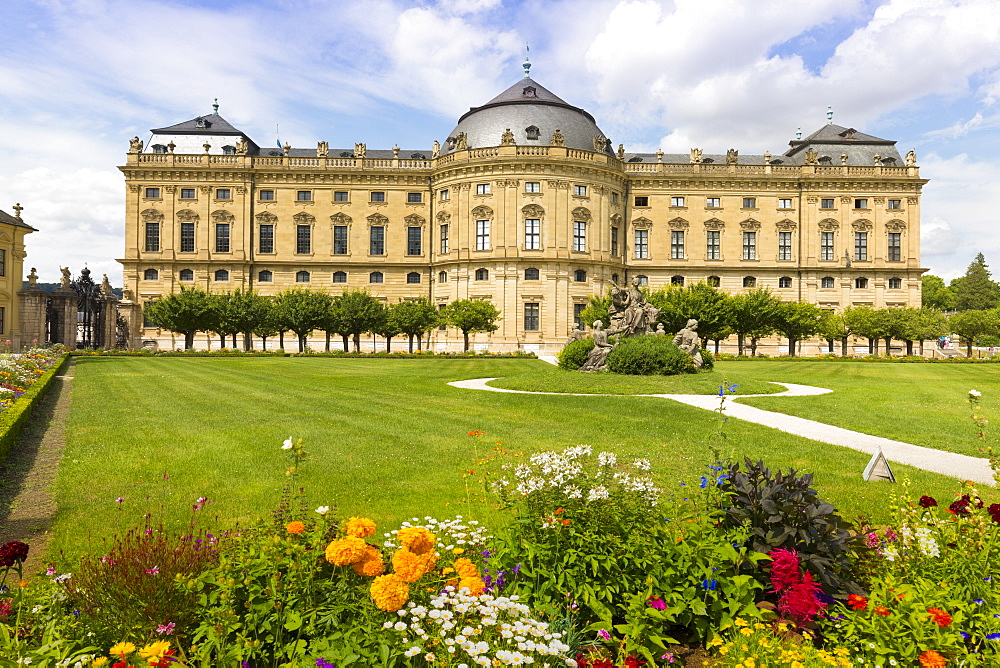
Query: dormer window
(776, 162)
(343, 154)
(707, 160)
(635, 159)
(849, 133)
(532, 132)
(275, 153)
(825, 160)
(418, 156)
(229, 150)
(202, 123)
(529, 91)
(888, 162)
(159, 148)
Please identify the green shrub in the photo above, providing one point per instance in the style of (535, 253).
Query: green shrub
(649, 356)
(575, 354)
(707, 360)
(781, 510)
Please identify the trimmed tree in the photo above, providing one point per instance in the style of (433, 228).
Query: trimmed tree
(267, 323)
(834, 327)
(797, 320)
(702, 302)
(302, 311)
(359, 312)
(387, 327)
(865, 321)
(415, 317)
(752, 314)
(972, 324)
(244, 309)
(186, 312)
(471, 316)
(926, 323)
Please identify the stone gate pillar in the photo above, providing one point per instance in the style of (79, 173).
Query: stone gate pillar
(132, 312)
(66, 303)
(31, 325)
(109, 303)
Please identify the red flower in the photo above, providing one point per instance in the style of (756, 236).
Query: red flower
(856, 602)
(879, 610)
(12, 552)
(800, 601)
(931, 659)
(927, 501)
(632, 662)
(784, 569)
(939, 617)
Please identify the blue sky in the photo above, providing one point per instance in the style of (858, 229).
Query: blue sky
(78, 78)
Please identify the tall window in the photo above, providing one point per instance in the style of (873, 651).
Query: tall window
(826, 282)
(578, 315)
(749, 245)
(376, 277)
(826, 246)
(413, 277)
(860, 246)
(265, 276)
(187, 237)
(642, 244)
(444, 238)
(713, 245)
(303, 239)
(482, 234)
(784, 245)
(579, 235)
(152, 237)
(222, 238)
(614, 242)
(340, 239)
(302, 277)
(532, 239)
(677, 244)
(442, 277)
(531, 274)
(414, 241)
(376, 238)
(265, 238)
(340, 277)
(895, 248)
(531, 317)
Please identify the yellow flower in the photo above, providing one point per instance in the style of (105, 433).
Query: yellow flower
(745, 631)
(346, 551)
(744, 647)
(416, 539)
(446, 571)
(458, 550)
(466, 569)
(723, 650)
(797, 664)
(295, 527)
(759, 626)
(389, 592)
(476, 586)
(715, 642)
(371, 564)
(99, 661)
(359, 527)
(122, 649)
(740, 621)
(155, 650)
(408, 566)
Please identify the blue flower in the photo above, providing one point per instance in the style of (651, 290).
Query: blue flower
(732, 389)
(711, 585)
(965, 636)
(978, 600)
(722, 391)
(704, 481)
(992, 636)
(718, 481)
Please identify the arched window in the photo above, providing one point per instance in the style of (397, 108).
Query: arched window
(580, 276)
(229, 150)
(643, 280)
(482, 275)
(376, 277)
(265, 276)
(442, 277)
(826, 282)
(340, 277)
(531, 274)
(785, 282)
(895, 284)
(531, 132)
(159, 148)
(187, 275)
(861, 283)
(676, 280)
(302, 277)
(714, 281)
(749, 281)
(150, 275)
(413, 277)
(221, 275)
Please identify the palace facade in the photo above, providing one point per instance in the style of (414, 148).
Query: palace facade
(526, 204)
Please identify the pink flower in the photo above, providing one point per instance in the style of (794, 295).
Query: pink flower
(120, 500)
(165, 629)
(604, 634)
(656, 603)
(155, 570)
(784, 569)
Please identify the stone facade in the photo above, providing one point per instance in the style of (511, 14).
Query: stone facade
(535, 220)
(12, 232)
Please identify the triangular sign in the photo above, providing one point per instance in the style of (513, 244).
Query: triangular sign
(878, 468)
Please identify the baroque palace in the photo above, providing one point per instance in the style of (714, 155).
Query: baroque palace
(526, 204)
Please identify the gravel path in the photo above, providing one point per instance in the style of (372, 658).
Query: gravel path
(939, 461)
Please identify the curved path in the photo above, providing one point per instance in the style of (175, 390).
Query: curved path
(951, 464)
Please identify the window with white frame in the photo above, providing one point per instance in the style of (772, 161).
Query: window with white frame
(340, 239)
(303, 239)
(152, 237)
(713, 202)
(749, 245)
(826, 282)
(302, 277)
(442, 277)
(784, 203)
(676, 201)
(784, 245)
(531, 274)
(579, 236)
(265, 238)
(376, 240)
(676, 244)
(531, 317)
(482, 235)
(265, 276)
(532, 235)
(861, 283)
(532, 187)
(826, 203)
(482, 189)
(376, 277)
(895, 283)
(785, 282)
(826, 246)
(414, 241)
(444, 238)
(641, 246)
(860, 246)
(895, 247)
(614, 242)
(580, 191)
(340, 277)
(713, 245)
(222, 238)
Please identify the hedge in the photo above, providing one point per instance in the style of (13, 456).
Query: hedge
(14, 419)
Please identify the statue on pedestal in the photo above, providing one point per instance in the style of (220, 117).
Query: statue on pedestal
(631, 314)
(33, 278)
(688, 340)
(598, 359)
(106, 286)
(66, 279)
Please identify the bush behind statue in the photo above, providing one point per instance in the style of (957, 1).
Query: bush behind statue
(649, 356)
(573, 356)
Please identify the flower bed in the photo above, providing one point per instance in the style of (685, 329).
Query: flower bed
(24, 378)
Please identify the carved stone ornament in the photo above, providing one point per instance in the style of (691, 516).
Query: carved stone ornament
(616, 220)
(133, 188)
(812, 199)
(377, 219)
(507, 138)
(206, 190)
(508, 183)
(678, 224)
(695, 155)
(462, 142)
(171, 146)
(221, 216)
(862, 225)
(207, 147)
(557, 138)
(599, 189)
(135, 145)
(732, 156)
(811, 156)
(395, 151)
(151, 216)
(786, 225)
(877, 160)
(642, 223)
(482, 213)
(621, 151)
(360, 150)
(242, 146)
(911, 158)
(465, 186)
(533, 211)
(581, 213)
(750, 224)
(767, 157)
(829, 225)
(912, 200)
(659, 155)
(714, 224)
(443, 217)
(843, 159)
(415, 220)
(563, 185)
(19, 254)
(845, 200)
(187, 216)
(895, 226)
(241, 190)
(436, 149)
(303, 218)
(322, 149)
(170, 189)
(266, 218)
(600, 143)
(880, 200)
(341, 219)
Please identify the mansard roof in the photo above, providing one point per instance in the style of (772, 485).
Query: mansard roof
(16, 222)
(209, 124)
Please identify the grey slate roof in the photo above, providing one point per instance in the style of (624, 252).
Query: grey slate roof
(211, 124)
(16, 222)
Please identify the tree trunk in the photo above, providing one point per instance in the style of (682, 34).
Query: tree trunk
(968, 347)
(909, 348)
(281, 340)
(410, 343)
(753, 346)
(222, 340)
(420, 341)
(388, 344)
(843, 347)
(829, 346)
(302, 343)
(263, 343)
(327, 348)
(888, 346)
(465, 336)
(247, 341)
(739, 344)
(872, 346)
(357, 343)
(234, 340)
(188, 340)
(346, 346)
(791, 346)
(921, 347)
(717, 342)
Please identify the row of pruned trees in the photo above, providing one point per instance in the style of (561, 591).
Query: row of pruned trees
(303, 311)
(757, 314)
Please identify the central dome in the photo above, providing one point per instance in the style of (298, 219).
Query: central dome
(532, 113)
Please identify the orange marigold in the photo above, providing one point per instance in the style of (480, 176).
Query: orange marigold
(940, 617)
(346, 551)
(295, 527)
(408, 566)
(416, 539)
(466, 569)
(476, 586)
(389, 592)
(360, 527)
(931, 659)
(371, 564)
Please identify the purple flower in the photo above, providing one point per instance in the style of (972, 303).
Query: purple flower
(323, 663)
(965, 636)
(607, 636)
(978, 600)
(120, 500)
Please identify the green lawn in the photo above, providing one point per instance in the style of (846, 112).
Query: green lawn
(553, 379)
(388, 438)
